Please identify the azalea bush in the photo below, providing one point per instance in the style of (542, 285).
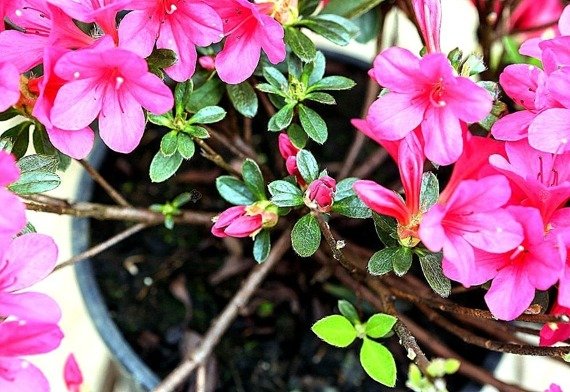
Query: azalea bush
(480, 142)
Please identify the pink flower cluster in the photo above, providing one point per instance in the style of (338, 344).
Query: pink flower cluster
(104, 76)
(502, 218)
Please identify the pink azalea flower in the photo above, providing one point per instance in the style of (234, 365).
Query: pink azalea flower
(24, 261)
(426, 93)
(9, 86)
(540, 179)
(554, 388)
(72, 374)
(42, 25)
(77, 143)
(172, 24)
(21, 338)
(320, 193)
(289, 152)
(245, 221)
(472, 217)
(534, 264)
(552, 333)
(428, 15)
(5, 7)
(110, 84)
(13, 217)
(247, 31)
(560, 226)
(532, 47)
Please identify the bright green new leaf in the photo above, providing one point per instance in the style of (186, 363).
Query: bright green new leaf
(380, 324)
(336, 330)
(378, 362)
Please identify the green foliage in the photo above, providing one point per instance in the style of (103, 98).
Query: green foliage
(433, 272)
(285, 194)
(429, 192)
(397, 259)
(208, 94)
(347, 203)
(335, 330)
(208, 115)
(254, 179)
(307, 165)
(378, 362)
(349, 311)
(37, 175)
(379, 325)
(437, 369)
(306, 236)
(313, 124)
(386, 229)
(234, 191)
(243, 98)
(163, 167)
(300, 44)
(350, 9)
(261, 246)
(172, 208)
(336, 29)
(160, 59)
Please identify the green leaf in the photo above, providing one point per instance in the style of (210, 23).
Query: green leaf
(433, 272)
(243, 98)
(313, 124)
(350, 9)
(186, 146)
(275, 78)
(163, 167)
(300, 44)
(307, 7)
(261, 246)
(41, 142)
(344, 188)
(297, 135)
(208, 94)
(169, 143)
(161, 58)
(267, 88)
(37, 162)
(339, 31)
(287, 200)
(307, 165)
(349, 311)
(29, 228)
(182, 93)
(451, 365)
(324, 98)
(318, 71)
(369, 25)
(164, 120)
(36, 181)
(379, 325)
(352, 207)
(381, 262)
(20, 137)
(385, 229)
(429, 192)
(378, 362)
(197, 131)
(402, 260)
(234, 191)
(284, 187)
(253, 179)
(335, 330)
(282, 118)
(306, 236)
(208, 115)
(333, 83)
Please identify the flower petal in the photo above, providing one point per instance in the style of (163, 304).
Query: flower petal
(76, 105)
(550, 131)
(381, 200)
(442, 133)
(510, 294)
(394, 115)
(397, 69)
(121, 122)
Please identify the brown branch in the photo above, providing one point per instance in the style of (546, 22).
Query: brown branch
(112, 192)
(225, 319)
(102, 246)
(210, 154)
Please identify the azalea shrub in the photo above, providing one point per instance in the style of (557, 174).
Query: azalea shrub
(480, 142)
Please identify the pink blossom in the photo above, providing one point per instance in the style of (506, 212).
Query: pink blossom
(42, 25)
(245, 221)
(75, 143)
(560, 227)
(24, 261)
(110, 84)
(536, 263)
(13, 216)
(21, 338)
(207, 62)
(472, 217)
(534, 46)
(320, 193)
(554, 388)
(289, 152)
(428, 15)
(9, 86)
(72, 374)
(247, 31)
(172, 24)
(552, 333)
(426, 93)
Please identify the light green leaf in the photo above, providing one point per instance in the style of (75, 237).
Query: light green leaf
(284, 187)
(169, 143)
(185, 146)
(429, 192)
(37, 162)
(333, 83)
(306, 236)
(234, 191)
(336, 330)
(350, 9)
(275, 78)
(381, 262)
(208, 94)
(36, 181)
(324, 98)
(379, 325)
(378, 362)
(297, 135)
(163, 167)
(208, 115)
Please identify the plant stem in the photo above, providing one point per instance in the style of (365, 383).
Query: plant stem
(225, 319)
(112, 192)
(210, 154)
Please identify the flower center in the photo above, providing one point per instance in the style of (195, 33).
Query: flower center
(436, 94)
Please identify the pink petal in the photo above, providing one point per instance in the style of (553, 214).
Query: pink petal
(30, 306)
(29, 259)
(428, 15)
(431, 230)
(242, 50)
(185, 50)
(26, 378)
(544, 264)
(76, 144)
(121, 122)
(138, 32)
(559, 86)
(531, 48)
(520, 82)
(9, 86)
(13, 216)
(381, 200)
(411, 164)
(397, 69)
(443, 136)
(9, 171)
(564, 22)
(457, 251)
(270, 36)
(510, 294)
(72, 374)
(151, 92)
(28, 338)
(25, 51)
(513, 126)
(469, 102)
(244, 226)
(550, 131)
(76, 105)
(484, 195)
(494, 232)
(394, 115)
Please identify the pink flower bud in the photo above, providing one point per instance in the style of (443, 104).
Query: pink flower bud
(72, 374)
(554, 388)
(286, 147)
(320, 194)
(245, 221)
(428, 14)
(293, 170)
(207, 62)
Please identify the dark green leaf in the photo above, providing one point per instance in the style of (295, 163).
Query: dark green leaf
(431, 267)
(281, 119)
(352, 207)
(313, 124)
(243, 98)
(297, 135)
(41, 142)
(284, 187)
(36, 181)
(163, 167)
(306, 236)
(208, 115)
(161, 58)
(261, 246)
(379, 325)
(275, 78)
(349, 311)
(308, 166)
(165, 120)
(185, 145)
(209, 94)
(385, 229)
(344, 188)
(197, 131)
(234, 191)
(318, 70)
(267, 88)
(429, 191)
(369, 25)
(333, 83)
(300, 44)
(182, 93)
(295, 67)
(323, 98)
(340, 33)
(336, 330)
(169, 143)
(253, 179)
(307, 7)
(20, 137)
(402, 260)
(287, 200)
(378, 362)
(350, 9)
(381, 262)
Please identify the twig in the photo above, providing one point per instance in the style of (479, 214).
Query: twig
(224, 320)
(210, 154)
(102, 246)
(112, 192)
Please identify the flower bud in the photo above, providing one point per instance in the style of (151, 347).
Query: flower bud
(245, 221)
(286, 147)
(320, 194)
(207, 62)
